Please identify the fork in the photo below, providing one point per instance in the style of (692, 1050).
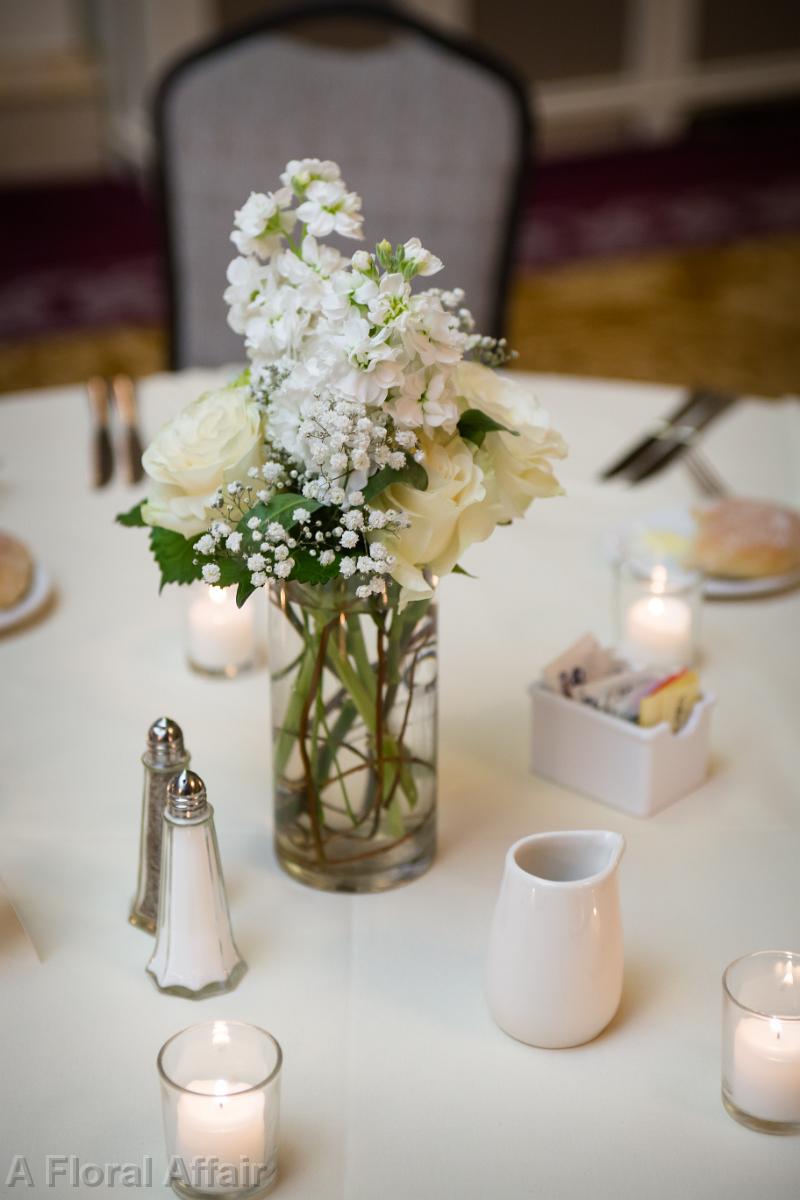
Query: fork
(705, 476)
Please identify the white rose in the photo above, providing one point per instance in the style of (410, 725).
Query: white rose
(438, 533)
(213, 441)
(517, 469)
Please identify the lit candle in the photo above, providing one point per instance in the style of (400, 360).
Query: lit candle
(221, 1120)
(658, 613)
(658, 631)
(221, 637)
(765, 1076)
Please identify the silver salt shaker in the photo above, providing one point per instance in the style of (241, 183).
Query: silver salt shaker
(195, 954)
(164, 757)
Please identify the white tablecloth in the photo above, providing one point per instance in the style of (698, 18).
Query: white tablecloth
(396, 1082)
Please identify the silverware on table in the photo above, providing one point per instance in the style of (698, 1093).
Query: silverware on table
(671, 437)
(125, 399)
(102, 464)
(707, 478)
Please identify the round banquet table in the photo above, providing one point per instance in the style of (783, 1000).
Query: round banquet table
(396, 1082)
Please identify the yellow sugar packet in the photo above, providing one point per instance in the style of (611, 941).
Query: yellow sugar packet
(672, 703)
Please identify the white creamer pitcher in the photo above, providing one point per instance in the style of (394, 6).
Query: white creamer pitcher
(555, 954)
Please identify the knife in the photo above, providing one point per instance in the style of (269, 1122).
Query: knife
(680, 436)
(102, 467)
(669, 437)
(628, 458)
(125, 400)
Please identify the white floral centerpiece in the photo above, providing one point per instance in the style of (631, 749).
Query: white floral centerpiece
(367, 445)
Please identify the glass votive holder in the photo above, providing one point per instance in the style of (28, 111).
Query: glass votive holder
(220, 1093)
(761, 1041)
(221, 639)
(658, 611)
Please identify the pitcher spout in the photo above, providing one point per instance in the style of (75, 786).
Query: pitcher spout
(571, 857)
(615, 848)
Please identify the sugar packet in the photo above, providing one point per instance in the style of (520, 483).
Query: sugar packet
(582, 663)
(672, 701)
(619, 694)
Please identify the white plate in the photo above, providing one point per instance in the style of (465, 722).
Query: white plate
(718, 588)
(668, 534)
(35, 598)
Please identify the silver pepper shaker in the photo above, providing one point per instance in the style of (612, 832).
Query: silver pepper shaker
(164, 757)
(195, 954)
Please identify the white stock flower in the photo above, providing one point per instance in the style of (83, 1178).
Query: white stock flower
(329, 208)
(425, 262)
(208, 445)
(361, 261)
(246, 278)
(300, 172)
(387, 300)
(375, 366)
(261, 221)
(427, 398)
(432, 332)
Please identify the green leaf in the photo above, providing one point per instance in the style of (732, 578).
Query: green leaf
(231, 571)
(242, 378)
(394, 819)
(244, 591)
(234, 572)
(133, 517)
(473, 425)
(310, 570)
(412, 475)
(280, 508)
(175, 556)
(458, 570)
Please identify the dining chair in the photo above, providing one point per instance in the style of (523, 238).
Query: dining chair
(432, 132)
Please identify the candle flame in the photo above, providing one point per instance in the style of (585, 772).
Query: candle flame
(220, 1088)
(789, 976)
(217, 595)
(656, 606)
(777, 1028)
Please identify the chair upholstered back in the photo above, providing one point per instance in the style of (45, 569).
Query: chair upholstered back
(433, 136)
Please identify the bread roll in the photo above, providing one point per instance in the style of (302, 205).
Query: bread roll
(746, 539)
(16, 570)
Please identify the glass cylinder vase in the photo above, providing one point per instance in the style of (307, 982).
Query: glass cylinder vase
(354, 735)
